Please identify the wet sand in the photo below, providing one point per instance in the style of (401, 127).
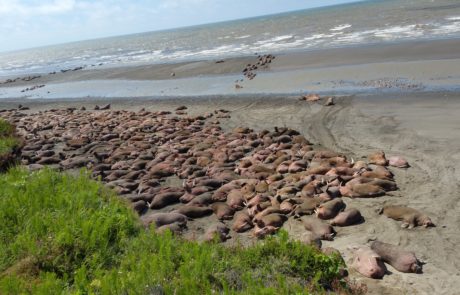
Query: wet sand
(422, 127)
(391, 68)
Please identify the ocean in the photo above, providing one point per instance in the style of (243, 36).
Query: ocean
(366, 22)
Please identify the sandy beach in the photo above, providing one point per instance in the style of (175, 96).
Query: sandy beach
(357, 126)
(399, 98)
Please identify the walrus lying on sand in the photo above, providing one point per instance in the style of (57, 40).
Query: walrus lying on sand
(410, 217)
(348, 217)
(318, 227)
(400, 259)
(368, 263)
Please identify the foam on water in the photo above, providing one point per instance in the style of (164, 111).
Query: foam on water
(362, 22)
(341, 27)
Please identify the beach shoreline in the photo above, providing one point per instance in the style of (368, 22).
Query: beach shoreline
(386, 68)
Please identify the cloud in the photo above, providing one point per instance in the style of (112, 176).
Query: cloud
(49, 7)
(174, 4)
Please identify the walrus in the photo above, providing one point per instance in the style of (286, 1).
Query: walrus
(161, 170)
(400, 259)
(175, 228)
(318, 227)
(362, 190)
(307, 207)
(222, 210)
(348, 217)
(398, 161)
(194, 211)
(261, 232)
(139, 206)
(410, 217)
(235, 199)
(368, 263)
(309, 238)
(217, 232)
(274, 219)
(201, 200)
(377, 158)
(242, 222)
(330, 209)
(160, 219)
(287, 206)
(165, 199)
(263, 209)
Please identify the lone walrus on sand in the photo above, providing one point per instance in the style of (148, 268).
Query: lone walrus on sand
(410, 217)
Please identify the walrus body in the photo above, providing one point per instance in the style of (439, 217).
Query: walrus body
(348, 217)
(242, 222)
(400, 259)
(368, 263)
(330, 209)
(165, 199)
(410, 217)
(319, 228)
(217, 232)
(275, 220)
(160, 219)
(222, 210)
(194, 211)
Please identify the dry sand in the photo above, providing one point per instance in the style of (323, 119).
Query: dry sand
(424, 128)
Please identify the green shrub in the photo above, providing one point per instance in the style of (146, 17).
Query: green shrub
(62, 224)
(9, 144)
(6, 129)
(68, 235)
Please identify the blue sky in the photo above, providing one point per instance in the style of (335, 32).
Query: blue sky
(32, 23)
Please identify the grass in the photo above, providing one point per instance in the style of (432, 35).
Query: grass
(9, 144)
(6, 129)
(62, 234)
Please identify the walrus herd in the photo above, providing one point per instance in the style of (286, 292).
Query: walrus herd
(175, 169)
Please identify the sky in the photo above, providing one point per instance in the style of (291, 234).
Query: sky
(33, 23)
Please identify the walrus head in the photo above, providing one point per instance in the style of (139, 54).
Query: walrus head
(416, 267)
(426, 222)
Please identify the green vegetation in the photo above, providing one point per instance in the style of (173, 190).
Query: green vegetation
(62, 234)
(9, 143)
(6, 129)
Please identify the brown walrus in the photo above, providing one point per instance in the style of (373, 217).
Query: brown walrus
(217, 232)
(400, 259)
(377, 158)
(194, 211)
(274, 219)
(242, 222)
(348, 217)
(330, 209)
(222, 210)
(165, 199)
(410, 217)
(318, 227)
(160, 219)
